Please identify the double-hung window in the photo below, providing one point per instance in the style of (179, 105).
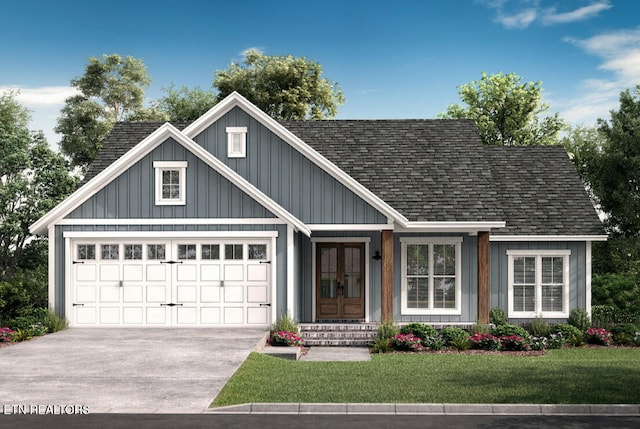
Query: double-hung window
(431, 275)
(170, 181)
(538, 283)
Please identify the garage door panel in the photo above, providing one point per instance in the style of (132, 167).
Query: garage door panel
(85, 315)
(257, 273)
(133, 315)
(109, 273)
(187, 293)
(109, 315)
(210, 315)
(157, 316)
(132, 273)
(210, 293)
(85, 294)
(156, 273)
(186, 315)
(157, 294)
(85, 273)
(210, 273)
(234, 273)
(257, 294)
(109, 293)
(132, 293)
(233, 294)
(257, 315)
(187, 273)
(233, 316)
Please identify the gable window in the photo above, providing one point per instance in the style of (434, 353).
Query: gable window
(237, 142)
(431, 275)
(538, 283)
(170, 182)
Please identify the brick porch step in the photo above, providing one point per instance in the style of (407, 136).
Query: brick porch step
(338, 334)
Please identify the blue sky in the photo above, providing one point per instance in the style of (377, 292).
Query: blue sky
(392, 59)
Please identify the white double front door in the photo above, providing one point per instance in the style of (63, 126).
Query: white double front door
(170, 282)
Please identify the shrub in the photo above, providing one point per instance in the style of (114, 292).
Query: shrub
(452, 334)
(598, 336)
(21, 335)
(282, 338)
(540, 328)
(513, 343)
(623, 333)
(580, 319)
(381, 345)
(484, 342)
(636, 339)
(498, 317)
(460, 343)
(480, 328)
(434, 343)
(387, 329)
(420, 330)
(605, 316)
(28, 318)
(406, 342)
(285, 324)
(508, 330)
(55, 323)
(13, 299)
(569, 333)
(555, 341)
(538, 343)
(6, 335)
(38, 329)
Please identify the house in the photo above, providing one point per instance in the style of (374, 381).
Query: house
(235, 219)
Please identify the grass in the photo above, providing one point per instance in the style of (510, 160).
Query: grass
(567, 376)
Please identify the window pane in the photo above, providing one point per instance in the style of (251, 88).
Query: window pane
(186, 251)
(133, 251)
(552, 269)
(171, 184)
(155, 251)
(210, 251)
(257, 251)
(524, 270)
(110, 251)
(444, 292)
(233, 251)
(418, 259)
(444, 259)
(86, 251)
(417, 292)
(552, 298)
(524, 298)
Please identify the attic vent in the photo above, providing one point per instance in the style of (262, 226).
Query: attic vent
(236, 142)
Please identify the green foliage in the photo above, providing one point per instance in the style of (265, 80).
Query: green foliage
(387, 329)
(605, 316)
(285, 324)
(420, 330)
(21, 335)
(498, 317)
(506, 111)
(540, 327)
(54, 323)
(484, 342)
(453, 334)
(13, 300)
(381, 345)
(624, 333)
(514, 343)
(434, 343)
(538, 343)
(185, 104)
(598, 336)
(27, 318)
(480, 328)
(580, 319)
(406, 342)
(570, 333)
(618, 290)
(286, 88)
(460, 343)
(508, 330)
(555, 341)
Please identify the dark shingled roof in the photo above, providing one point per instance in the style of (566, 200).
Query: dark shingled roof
(434, 170)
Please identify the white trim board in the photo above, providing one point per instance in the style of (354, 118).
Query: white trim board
(548, 238)
(175, 221)
(115, 235)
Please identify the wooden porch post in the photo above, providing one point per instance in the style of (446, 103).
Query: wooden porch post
(483, 277)
(387, 275)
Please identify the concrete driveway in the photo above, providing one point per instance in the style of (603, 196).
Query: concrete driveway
(124, 370)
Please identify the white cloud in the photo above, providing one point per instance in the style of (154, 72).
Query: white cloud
(43, 96)
(550, 16)
(519, 20)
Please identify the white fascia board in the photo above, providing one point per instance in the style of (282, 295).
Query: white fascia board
(548, 238)
(469, 227)
(175, 221)
(120, 235)
(138, 152)
(350, 227)
(235, 99)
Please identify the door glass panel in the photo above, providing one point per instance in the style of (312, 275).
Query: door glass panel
(210, 251)
(186, 251)
(352, 278)
(155, 251)
(257, 251)
(86, 251)
(110, 251)
(328, 272)
(233, 251)
(133, 251)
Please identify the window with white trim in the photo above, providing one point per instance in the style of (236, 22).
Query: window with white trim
(236, 142)
(431, 275)
(170, 182)
(538, 283)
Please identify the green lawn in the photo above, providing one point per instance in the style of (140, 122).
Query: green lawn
(568, 376)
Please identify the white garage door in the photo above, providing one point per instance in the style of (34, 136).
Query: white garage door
(171, 282)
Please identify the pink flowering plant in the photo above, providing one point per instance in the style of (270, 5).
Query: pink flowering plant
(6, 335)
(480, 341)
(284, 338)
(598, 336)
(406, 342)
(513, 343)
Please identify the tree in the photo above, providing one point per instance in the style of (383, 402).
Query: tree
(286, 88)
(185, 104)
(506, 111)
(33, 179)
(111, 89)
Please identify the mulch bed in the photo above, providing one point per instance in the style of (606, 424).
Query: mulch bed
(474, 352)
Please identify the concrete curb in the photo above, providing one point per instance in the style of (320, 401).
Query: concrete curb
(432, 409)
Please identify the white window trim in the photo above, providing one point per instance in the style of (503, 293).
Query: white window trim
(159, 167)
(538, 254)
(242, 131)
(457, 241)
